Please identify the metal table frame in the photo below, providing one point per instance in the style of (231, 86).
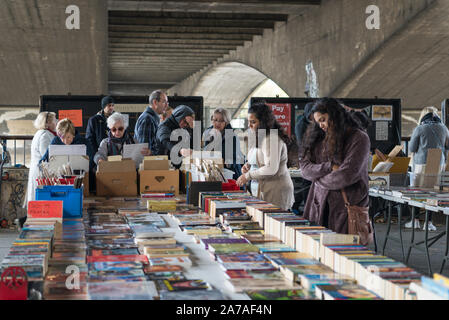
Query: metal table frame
(422, 245)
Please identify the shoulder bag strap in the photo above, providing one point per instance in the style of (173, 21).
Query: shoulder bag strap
(345, 198)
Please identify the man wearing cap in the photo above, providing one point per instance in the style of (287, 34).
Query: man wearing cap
(183, 117)
(148, 122)
(97, 128)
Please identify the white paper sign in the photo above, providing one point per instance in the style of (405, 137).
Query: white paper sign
(67, 150)
(381, 131)
(134, 151)
(75, 162)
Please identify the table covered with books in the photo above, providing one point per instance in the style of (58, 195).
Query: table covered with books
(429, 200)
(232, 246)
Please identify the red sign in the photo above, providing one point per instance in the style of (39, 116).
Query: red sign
(282, 112)
(76, 116)
(13, 284)
(45, 209)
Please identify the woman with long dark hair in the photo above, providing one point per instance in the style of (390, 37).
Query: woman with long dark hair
(269, 151)
(334, 156)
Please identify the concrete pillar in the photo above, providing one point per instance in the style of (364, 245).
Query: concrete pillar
(39, 55)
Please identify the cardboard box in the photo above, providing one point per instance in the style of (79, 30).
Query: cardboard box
(400, 164)
(155, 165)
(159, 181)
(161, 157)
(431, 175)
(117, 178)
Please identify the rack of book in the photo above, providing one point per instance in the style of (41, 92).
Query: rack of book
(232, 246)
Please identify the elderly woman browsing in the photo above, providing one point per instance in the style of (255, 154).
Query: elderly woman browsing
(118, 136)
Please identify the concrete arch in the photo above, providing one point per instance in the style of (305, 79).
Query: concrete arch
(228, 84)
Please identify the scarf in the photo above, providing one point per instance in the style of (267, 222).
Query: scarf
(115, 145)
(54, 132)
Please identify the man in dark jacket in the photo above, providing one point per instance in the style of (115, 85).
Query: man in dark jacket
(302, 186)
(97, 128)
(302, 123)
(148, 122)
(183, 117)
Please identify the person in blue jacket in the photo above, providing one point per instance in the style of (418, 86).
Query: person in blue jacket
(148, 122)
(97, 128)
(66, 134)
(221, 121)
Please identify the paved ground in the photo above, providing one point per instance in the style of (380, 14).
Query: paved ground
(417, 259)
(7, 237)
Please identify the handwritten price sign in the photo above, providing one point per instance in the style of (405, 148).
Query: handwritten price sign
(75, 115)
(45, 209)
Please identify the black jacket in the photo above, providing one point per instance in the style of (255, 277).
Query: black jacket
(302, 123)
(97, 130)
(168, 126)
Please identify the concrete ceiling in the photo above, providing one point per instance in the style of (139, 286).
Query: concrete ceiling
(157, 44)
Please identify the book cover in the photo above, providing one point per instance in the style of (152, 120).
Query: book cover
(346, 291)
(274, 294)
(119, 258)
(248, 266)
(223, 248)
(183, 285)
(192, 295)
(241, 257)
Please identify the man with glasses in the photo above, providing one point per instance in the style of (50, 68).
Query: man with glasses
(147, 125)
(97, 128)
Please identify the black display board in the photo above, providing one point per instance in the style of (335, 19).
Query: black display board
(384, 130)
(130, 105)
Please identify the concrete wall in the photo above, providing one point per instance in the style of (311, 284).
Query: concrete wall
(333, 36)
(40, 56)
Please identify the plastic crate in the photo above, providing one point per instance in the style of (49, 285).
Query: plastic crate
(231, 185)
(72, 199)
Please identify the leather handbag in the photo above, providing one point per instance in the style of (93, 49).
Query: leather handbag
(359, 222)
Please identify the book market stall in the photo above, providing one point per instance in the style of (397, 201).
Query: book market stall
(230, 246)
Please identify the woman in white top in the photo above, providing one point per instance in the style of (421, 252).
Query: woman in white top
(46, 125)
(274, 183)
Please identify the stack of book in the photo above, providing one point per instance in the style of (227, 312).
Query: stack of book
(31, 251)
(115, 266)
(276, 222)
(436, 288)
(68, 260)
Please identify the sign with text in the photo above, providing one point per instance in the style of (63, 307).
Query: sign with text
(75, 115)
(45, 209)
(282, 113)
